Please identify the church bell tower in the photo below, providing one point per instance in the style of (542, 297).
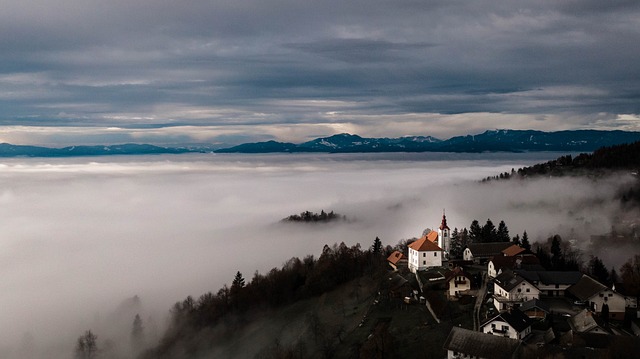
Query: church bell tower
(444, 234)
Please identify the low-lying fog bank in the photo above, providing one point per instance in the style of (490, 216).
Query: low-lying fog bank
(82, 237)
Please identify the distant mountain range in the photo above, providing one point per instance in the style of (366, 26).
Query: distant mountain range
(489, 141)
(8, 150)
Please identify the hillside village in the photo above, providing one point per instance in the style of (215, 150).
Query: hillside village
(520, 308)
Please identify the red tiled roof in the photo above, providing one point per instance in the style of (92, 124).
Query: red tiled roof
(425, 244)
(395, 257)
(431, 236)
(513, 250)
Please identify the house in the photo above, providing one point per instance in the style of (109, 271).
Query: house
(498, 263)
(512, 290)
(396, 260)
(551, 283)
(512, 324)
(482, 252)
(465, 343)
(596, 294)
(584, 322)
(424, 254)
(535, 309)
(458, 282)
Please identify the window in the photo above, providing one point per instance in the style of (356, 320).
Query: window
(435, 254)
(611, 294)
(519, 290)
(528, 290)
(424, 263)
(424, 254)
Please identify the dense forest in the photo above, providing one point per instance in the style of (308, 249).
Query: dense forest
(601, 161)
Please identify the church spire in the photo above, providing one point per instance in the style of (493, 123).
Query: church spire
(443, 225)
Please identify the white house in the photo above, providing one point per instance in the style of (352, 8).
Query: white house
(551, 283)
(482, 252)
(423, 254)
(497, 264)
(512, 290)
(396, 260)
(596, 294)
(458, 282)
(512, 324)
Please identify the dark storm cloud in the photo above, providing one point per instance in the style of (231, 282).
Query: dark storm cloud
(241, 63)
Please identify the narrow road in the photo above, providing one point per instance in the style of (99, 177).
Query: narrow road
(479, 300)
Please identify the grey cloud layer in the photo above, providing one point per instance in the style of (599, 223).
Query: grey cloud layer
(223, 63)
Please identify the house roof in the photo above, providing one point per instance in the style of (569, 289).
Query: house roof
(586, 288)
(396, 282)
(488, 249)
(583, 322)
(551, 277)
(395, 257)
(480, 344)
(513, 262)
(558, 277)
(457, 271)
(534, 303)
(425, 244)
(515, 318)
(508, 280)
(513, 250)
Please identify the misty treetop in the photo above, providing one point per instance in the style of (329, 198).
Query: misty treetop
(311, 217)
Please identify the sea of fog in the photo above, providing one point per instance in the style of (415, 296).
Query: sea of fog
(81, 236)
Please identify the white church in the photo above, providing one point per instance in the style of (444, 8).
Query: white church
(430, 250)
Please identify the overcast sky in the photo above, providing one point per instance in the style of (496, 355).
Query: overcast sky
(88, 71)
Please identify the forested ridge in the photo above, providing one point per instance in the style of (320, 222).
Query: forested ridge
(601, 161)
(233, 306)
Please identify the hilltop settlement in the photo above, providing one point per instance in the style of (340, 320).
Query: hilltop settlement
(526, 303)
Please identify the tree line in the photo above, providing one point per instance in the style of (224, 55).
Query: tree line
(308, 216)
(619, 157)
(486, 233)
(296, 280)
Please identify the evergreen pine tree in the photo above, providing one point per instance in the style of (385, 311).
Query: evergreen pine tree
(377, 247)
(137, 335)
(503, 232)
(455, 247)
(525, 241)
(475, 232)
(489, 232)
